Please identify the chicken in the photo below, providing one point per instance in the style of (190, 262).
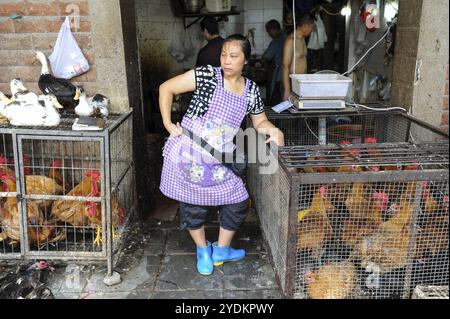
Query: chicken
(76, 212)
(387, 248)
(94, 215)
(6, 165)
(433, 237)
(42, 185)
(332, 281)
(357, 203)
(431, 205)
(314, 227)
(39, 230)
(373, 153)
(56, 174)
(359, 226)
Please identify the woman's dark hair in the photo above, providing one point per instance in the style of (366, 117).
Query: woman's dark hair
(243, 41)
(210, 24)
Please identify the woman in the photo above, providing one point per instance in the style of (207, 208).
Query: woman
(222, 98)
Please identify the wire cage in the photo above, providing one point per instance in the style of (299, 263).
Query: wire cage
(66, 194)
(364, 216)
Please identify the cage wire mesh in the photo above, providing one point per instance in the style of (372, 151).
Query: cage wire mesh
(65, 193)
(366, 214)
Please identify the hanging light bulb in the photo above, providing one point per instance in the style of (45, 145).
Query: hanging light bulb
(346, 11)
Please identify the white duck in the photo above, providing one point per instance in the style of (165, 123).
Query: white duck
(100, 104)
(4, 101)
(21, 94)
(20, 114)
(83, 108)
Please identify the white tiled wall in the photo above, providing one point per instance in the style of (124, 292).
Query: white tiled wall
(257, 13)
(156, 27)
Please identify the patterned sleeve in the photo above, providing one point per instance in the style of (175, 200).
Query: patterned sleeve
(205, 84)
(255, 102)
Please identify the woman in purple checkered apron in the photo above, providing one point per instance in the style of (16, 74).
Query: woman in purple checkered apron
(221, 100)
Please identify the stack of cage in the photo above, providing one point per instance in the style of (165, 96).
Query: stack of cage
(66, 194)
(364, 216)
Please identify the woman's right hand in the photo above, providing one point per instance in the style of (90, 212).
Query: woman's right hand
(174, 130)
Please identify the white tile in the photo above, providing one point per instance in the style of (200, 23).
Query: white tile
(259, 28)
(254, 16)
(273, 4)
(271, 14)
(253, 4)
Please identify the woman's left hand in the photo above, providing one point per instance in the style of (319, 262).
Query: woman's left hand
(276, 136)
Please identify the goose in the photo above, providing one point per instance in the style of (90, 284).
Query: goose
(83, 108)
(21, 94)
(62, 89)
(41, 114)
(100, 104)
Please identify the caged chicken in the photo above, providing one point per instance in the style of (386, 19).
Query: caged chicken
(365, 218)
(314, 228)
(40, 231)
(84, 213)
(433, 237)
(332, 281)
(387, 248)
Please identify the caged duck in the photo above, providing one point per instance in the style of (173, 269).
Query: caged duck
(62, 89)
(44, 113)
(100, 104)
(83, 108)
(21, 94)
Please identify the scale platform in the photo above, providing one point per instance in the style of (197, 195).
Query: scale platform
(317, 104)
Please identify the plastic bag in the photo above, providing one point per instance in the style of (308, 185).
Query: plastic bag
(176, 46)
(67, 60)
(319, 36)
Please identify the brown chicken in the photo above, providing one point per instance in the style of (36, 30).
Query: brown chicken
(39, 230)
(314, 227)
(433, 237)
(42, 185)
(387, 248)
(366, 221)
(76, 212)
(332, 281)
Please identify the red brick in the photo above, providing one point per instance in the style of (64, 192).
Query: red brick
(89, 87)
(64, 8)
(33, 87)
(444, 120)
(84, 41)
(4, 88)
(44, 41)
(6, 25)
(9, 8)
(445, 104)
(446, 88)
(25, 73)
(446, 74)
(16, 42)
(30, 25)
(90, 76)
(17, 58)
(445, 128)
(43, 9)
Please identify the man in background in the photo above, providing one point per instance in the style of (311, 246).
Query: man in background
(304, 27)
(210, 54)
(274, 53)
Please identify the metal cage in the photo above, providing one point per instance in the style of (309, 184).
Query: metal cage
(364, 216)
(66, 194)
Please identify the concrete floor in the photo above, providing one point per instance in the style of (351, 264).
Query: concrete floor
(159, 260)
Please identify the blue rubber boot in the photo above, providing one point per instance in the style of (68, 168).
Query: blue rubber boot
(204, 260)
(224, 254)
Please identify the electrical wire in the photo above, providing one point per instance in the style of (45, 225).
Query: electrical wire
(356, 105)
(368, 51)
(312, 132)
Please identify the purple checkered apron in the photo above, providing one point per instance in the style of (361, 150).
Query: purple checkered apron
(190, 174)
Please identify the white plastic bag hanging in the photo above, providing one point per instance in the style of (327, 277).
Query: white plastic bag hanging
(318, 37)
(176, 46)
(67, 60)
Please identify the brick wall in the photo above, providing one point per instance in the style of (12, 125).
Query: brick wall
(37, 30)
(444, 119)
